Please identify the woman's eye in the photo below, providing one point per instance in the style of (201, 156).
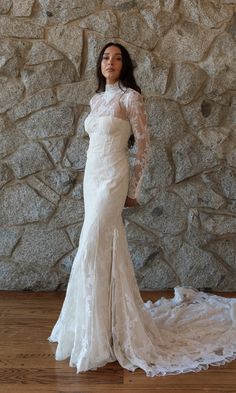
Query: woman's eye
(116, 58)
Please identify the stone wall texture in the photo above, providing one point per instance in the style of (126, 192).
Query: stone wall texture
(184, 232)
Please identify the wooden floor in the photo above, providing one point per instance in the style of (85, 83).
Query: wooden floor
(27, 362)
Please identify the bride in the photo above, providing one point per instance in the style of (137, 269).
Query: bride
(103, 317)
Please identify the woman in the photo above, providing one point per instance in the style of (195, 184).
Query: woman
(103, 317)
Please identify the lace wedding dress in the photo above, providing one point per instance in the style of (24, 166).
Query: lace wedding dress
(103, 317)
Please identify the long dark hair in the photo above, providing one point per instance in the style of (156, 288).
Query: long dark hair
(126, 76)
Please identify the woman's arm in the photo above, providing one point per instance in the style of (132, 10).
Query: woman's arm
(138, 119)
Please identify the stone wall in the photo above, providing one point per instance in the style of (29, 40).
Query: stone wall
(185, 229)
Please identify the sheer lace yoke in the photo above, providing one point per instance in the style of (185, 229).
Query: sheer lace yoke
(112, 102)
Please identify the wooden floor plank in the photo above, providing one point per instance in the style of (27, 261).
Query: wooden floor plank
(77, 388)
(27, 363)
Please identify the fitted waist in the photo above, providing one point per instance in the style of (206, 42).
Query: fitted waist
(106, 153)
(104, 148)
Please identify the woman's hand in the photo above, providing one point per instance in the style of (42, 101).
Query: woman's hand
(131, 202)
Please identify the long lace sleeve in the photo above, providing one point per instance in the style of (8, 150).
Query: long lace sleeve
(138, 119)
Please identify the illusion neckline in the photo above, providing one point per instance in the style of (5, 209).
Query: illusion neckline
(112, 87)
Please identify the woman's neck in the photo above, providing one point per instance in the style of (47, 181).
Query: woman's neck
(112, 86)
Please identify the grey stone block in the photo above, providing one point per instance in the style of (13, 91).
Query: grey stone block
(165, 120)
(104, 22)
(15, 278)
(196, 194)
(22, 7)
(135, 30)
(204, 13)
(11, 92)
(28, 159)
(186, 41)
(21, 205)
(5, 174)
(55, 148)
(47, 75)
(10, 27)
(69, 211)
(68, 39)
(5, 6)
(8, 239)
(191, 157)
(32, 104)
(60, 180)
(199, 268)
(43, 189)
(186, 82)
(42, 248)
(38, 126)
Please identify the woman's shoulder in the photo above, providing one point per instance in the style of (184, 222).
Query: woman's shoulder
(94, 98)
(132, 96)
(95, 95)
(132, 92)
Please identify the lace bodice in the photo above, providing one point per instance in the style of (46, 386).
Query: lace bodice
(127, 104)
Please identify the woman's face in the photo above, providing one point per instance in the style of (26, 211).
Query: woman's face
(111, 65)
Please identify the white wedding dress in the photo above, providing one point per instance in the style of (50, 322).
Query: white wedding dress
(103, 318)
